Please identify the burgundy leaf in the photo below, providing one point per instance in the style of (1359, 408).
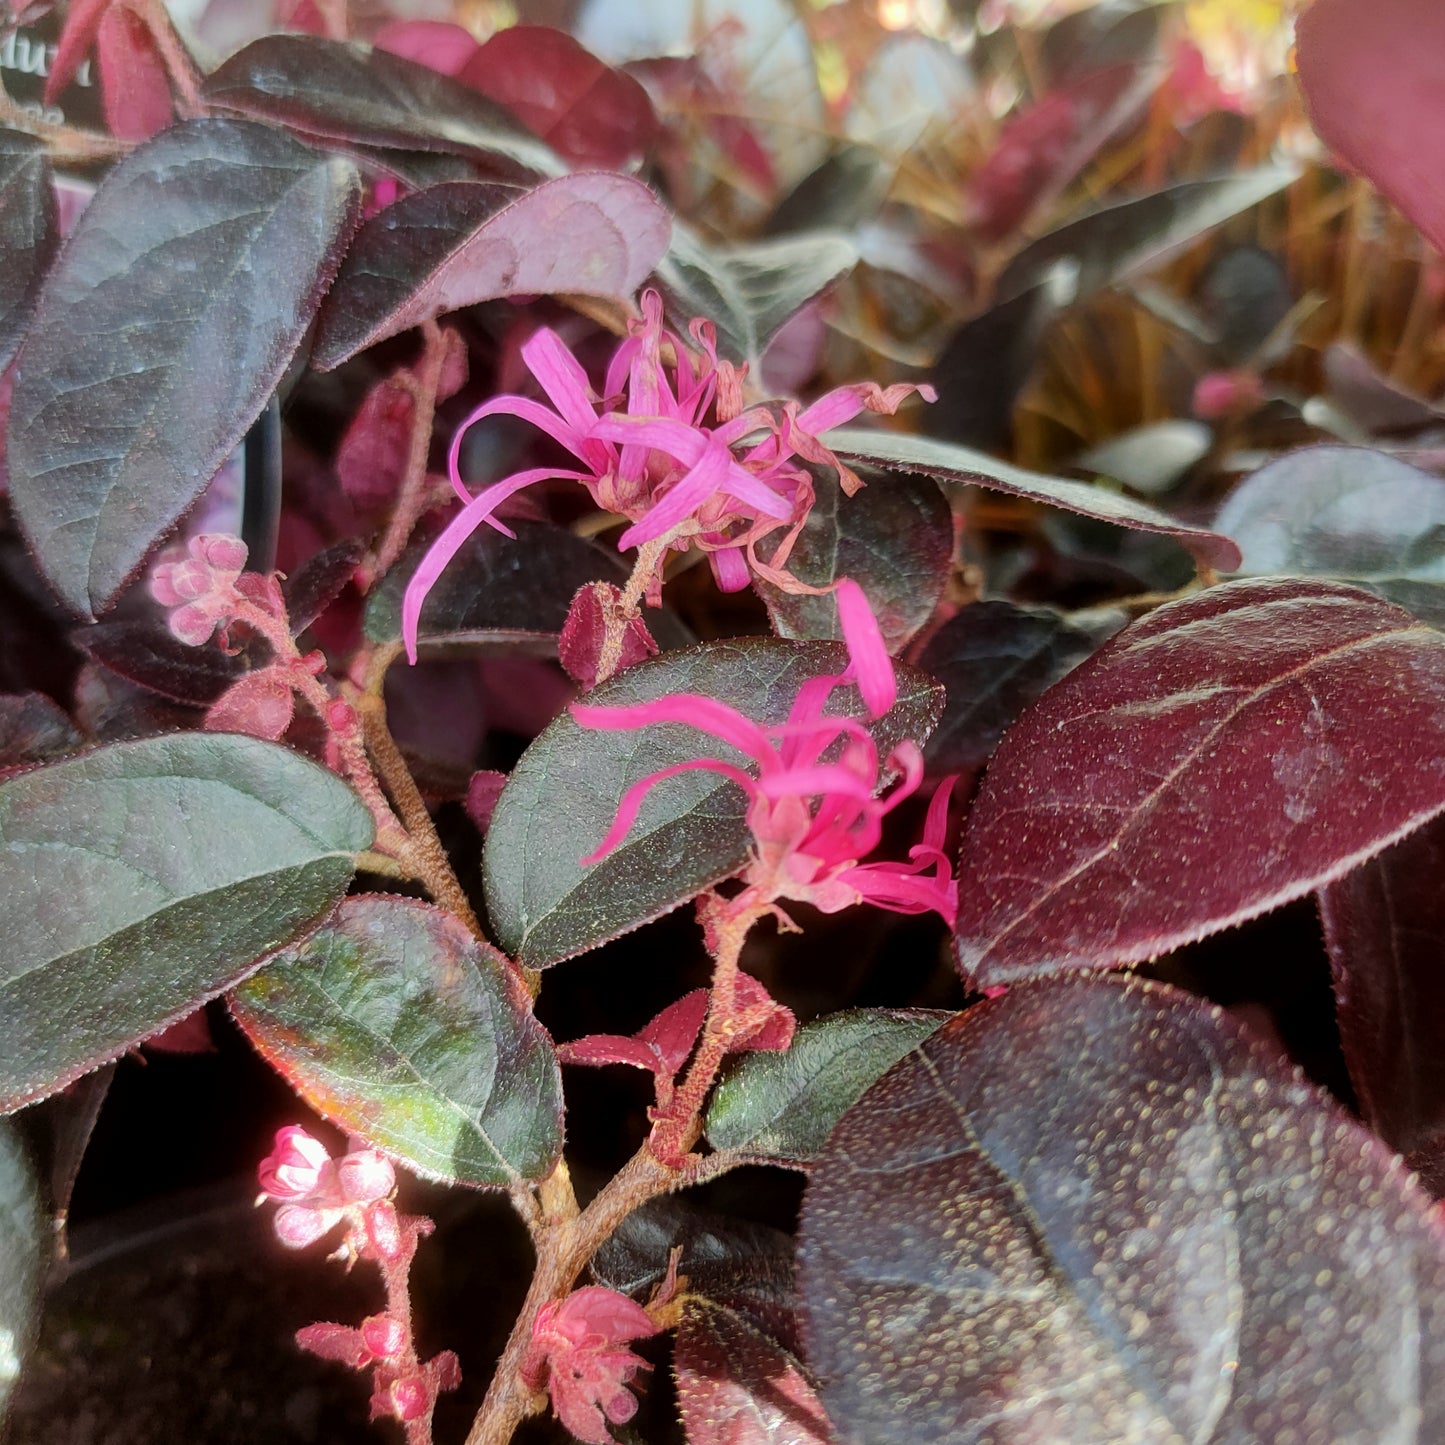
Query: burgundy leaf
(1368, 72)
(586, 111)
(438, 44)
(1228, 753)
(1385, 931)
(483, 790)
(320, 580)
(33, 729)
(371, 460)
(580, 644)
(1095, 1210)
(149, 654)
(134, 86)
(190, 1035)
(735, 1386)
(456, 244)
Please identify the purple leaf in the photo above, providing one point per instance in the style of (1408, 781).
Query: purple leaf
(994, 659)
(27, 232)
(1228, 753)
(319, 581)
(949, 463)
(894, 539)
(33, 729)
(336, 91)
(397, 1025)
(1367, 68)
(1096, 1210)
(456, 244)
(1385, 931)
(148, 654)
(175, 308)
(146, 877)
(735, 1386)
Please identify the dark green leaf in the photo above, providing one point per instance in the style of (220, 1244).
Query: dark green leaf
(782, 1107)
(750, 289)
(1345, 512)
(23, 1247)
(894, 539)
(336, 91)
(994, 659)
(501, 589)
(458, 244)
(398, 1026)
(947, 462)
(143, 878)
(564, 792)
(27, 231)
(174, 310)
(1096, 1211)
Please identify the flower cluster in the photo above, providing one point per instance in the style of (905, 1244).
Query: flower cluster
(671, 447)
(814, 803)
(317, 1192)
(579, 1353)
(206, 588)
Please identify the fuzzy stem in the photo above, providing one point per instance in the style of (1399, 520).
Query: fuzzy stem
(648, 556)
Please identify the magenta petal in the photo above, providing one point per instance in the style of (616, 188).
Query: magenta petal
(871, 666)
(683, 443)
(706, 714)
(838, 406)
(527, 410)
(561, 376)
(889, 886)
(818, 780)
(729, 568)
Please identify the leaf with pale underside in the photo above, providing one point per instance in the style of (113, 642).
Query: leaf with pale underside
(457, 244)
(27, 231)
(563, 795)
(399, 1027)
(894, 539)
(782, 1107)
(1095, 1210)
(749, 289)
(1230, 752)
(143, 878)
(174, 310)
(1345, 512)
(958, 465)
(335, 91)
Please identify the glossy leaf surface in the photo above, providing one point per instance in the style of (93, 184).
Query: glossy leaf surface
(1096, 1210)
(1384, 927)
(457, 244)
(950, 463)
(1369, 79)
(178, 303)
(1345, 512)
(735, 1386)
(500, 589)
(27, 231)
(1224, 755)
(750, 289)
(563, 795)
(782, 1107)
(24, 1249)
(894, 539)
(336, 91)
(393, 1022)
(144, 878)
(994, 659)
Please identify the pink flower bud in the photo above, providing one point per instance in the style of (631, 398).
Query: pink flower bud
(292, 1170)
(384, 1337)
(408, 1398)
(298, 1225)
(384, 1236)
(364, 1176)
(445, 1370)
(218, 550)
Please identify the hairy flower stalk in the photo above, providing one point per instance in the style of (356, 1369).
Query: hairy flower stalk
(671, 447)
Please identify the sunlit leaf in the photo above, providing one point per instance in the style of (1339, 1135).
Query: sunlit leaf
(398, 1026)
(144, 878)
(1226, 754)
(1094, 1210)
(23, 1250)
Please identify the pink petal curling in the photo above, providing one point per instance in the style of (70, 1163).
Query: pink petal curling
(292, 1170)
(872, 666)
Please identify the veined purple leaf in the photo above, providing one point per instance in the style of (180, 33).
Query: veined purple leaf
(24, 1253)
(174, 310)
(1345, 512)
(1368, 75)
(397, 1025)
(1385, 931)
(33, 729)
(735, 1386)
(27, 231)
(144, 878)
(335, 91)
(454, 245)
(1097, 1210)
(145, 652)
(1224, 755)
(563, 795)
(894, 539)
(949, 463)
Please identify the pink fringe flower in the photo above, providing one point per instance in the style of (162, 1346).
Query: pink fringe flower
(812, 820)
(315, 1191)
(672, 448)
